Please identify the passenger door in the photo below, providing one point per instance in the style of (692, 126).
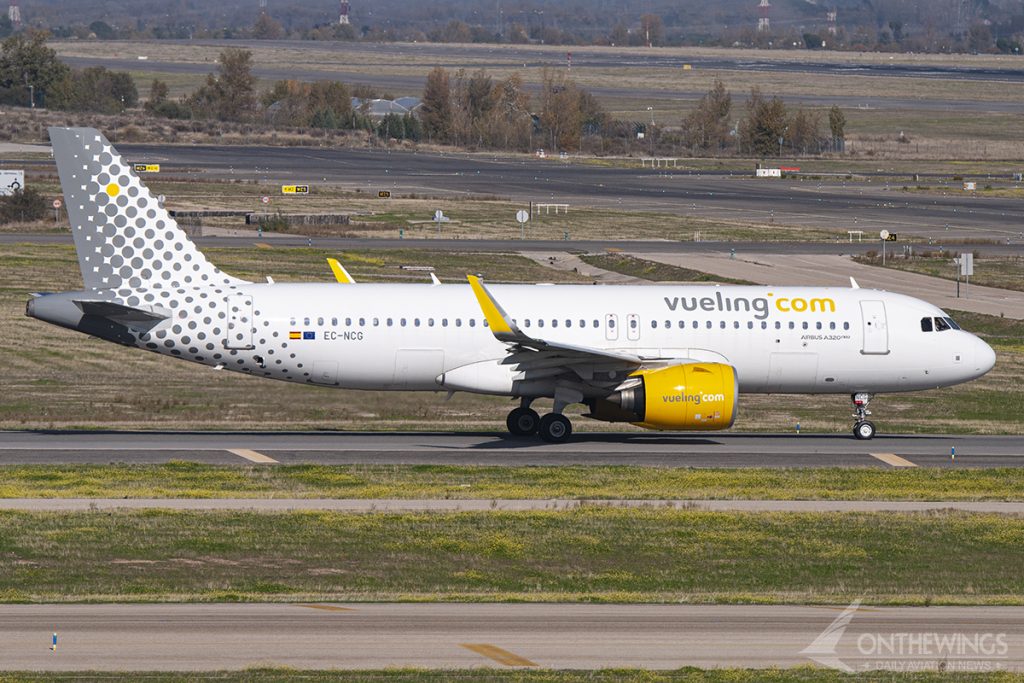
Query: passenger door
(876, 329)
(240, 322)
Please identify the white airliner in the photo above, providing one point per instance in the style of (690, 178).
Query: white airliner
(673, 357)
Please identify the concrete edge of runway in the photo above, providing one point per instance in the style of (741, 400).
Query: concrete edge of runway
(375, 505)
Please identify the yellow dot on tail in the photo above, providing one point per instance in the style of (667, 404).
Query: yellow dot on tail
(113, 190)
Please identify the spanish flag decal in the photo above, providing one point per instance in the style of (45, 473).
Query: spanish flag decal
(295, 334)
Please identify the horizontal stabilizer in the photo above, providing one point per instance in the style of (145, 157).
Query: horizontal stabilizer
(141, 318)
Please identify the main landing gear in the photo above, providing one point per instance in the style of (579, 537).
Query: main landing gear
(524, 421)
(863, 429)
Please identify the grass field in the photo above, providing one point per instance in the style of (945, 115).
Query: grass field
(1005, 272)
(601, 555)
(55, 378)
(689, 675)
(652, 270)
(193, 480)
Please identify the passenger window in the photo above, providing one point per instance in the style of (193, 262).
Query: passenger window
(926, 325)
(654, 324)
(554, 323)
(485, 323)
(611, 323)
(633, 323)
(941, 325)
(792, 325)
(362, 322)
(568, 323)
(668, 324)
(750, 324)
(320, 322)
(391, 322)
(764, 325)
(736, 324)
(416, 322)
(527, 322)
(832, 325)
(708, 324)
(444, 322)
(846, 326)
(458, 322)
(805, 324)
(818, 325)
(682, 325)
(695, 324)
(722, 324)
(430, 322)
(597, 324)
(376, 322)
(291, 322)
(403, 322)
(472, 322)
(540, 322)
(778, 325)
(305, 321)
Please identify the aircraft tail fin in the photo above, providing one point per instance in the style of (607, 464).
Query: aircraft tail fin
(125, 240)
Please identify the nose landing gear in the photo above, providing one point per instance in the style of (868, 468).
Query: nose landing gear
(863, 429)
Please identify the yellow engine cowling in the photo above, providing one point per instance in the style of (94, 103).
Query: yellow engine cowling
(692, 396)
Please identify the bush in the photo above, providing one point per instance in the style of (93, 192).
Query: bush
(23, 206)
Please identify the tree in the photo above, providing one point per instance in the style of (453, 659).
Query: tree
(707, 126)
(561, 117)
(102, 30)
(267, 28)
(764, 125)
(21, 206)
(837, 122)
(812, 41)
(231, 94)
(651, 29)
(28, 66)
(805, 131)
(436, 111)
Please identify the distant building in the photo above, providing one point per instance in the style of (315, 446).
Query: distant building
(378, 109)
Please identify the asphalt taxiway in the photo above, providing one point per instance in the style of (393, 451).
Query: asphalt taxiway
(135, 637)
(456, 448)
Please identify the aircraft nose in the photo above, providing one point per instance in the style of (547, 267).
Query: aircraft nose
(984, 357)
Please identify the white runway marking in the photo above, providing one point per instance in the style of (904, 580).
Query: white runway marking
(892, 459)
(250, 455)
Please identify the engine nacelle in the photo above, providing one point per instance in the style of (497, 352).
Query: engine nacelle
(691, 396)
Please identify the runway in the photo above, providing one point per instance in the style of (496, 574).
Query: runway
(120, 637)
(512, 246)
(440, 448)
(811, 203)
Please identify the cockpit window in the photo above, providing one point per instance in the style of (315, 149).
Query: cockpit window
(926, 324)
(941, 325)
(952, 323)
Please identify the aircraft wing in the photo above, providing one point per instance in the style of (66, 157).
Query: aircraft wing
(539, 356)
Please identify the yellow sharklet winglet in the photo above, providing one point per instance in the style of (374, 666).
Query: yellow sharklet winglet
(497, 319)
(340, 274)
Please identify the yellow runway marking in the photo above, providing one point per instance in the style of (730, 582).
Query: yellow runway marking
(262, 245)
(327, 608)
(892, 459)
(252, 456)
(497, 654)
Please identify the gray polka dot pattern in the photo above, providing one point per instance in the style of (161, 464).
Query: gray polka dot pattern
(133, 253)
(123, 236)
